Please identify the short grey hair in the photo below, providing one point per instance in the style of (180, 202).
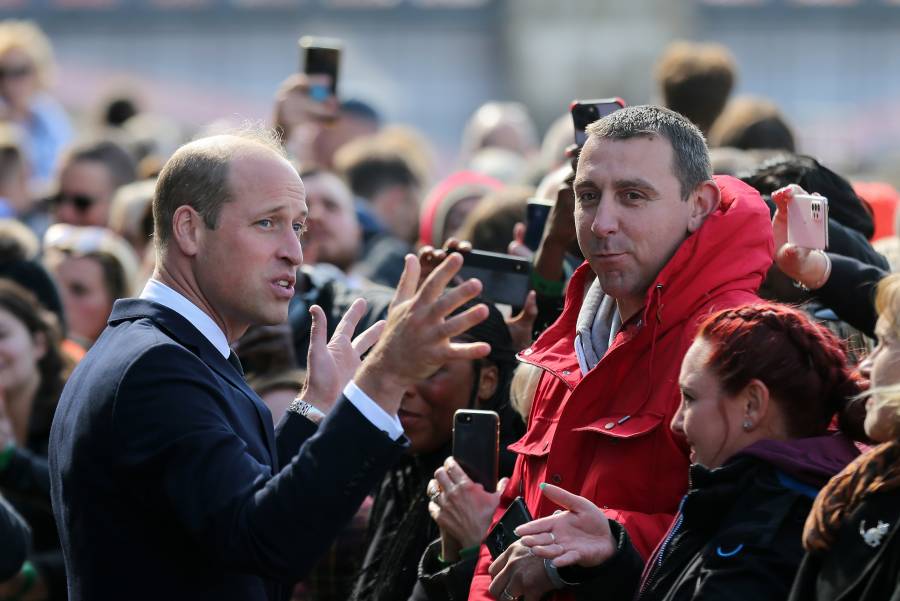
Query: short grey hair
(691, 155)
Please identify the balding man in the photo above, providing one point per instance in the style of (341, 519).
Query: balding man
(168, 480)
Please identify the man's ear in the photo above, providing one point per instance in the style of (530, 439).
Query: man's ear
(186, 226)
(704, 200)
(488, 380)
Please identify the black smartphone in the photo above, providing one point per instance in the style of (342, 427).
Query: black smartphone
(504, 278)
(476, 445)
(536, 213)
(503, 534)
(585, 112)
(321, 56)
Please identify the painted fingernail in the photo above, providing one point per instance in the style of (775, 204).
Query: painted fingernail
(543, 484)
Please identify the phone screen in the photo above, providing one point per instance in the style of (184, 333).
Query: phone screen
(537, 211)
(504, 279)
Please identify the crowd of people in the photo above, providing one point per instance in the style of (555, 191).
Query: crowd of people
(230, 369)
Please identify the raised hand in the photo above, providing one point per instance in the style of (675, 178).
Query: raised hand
(578, 535)
(809, 267)
(332, 363)
(417, 339)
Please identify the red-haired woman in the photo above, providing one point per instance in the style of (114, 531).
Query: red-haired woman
(760, 386)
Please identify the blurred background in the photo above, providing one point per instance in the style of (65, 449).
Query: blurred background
(831, 66)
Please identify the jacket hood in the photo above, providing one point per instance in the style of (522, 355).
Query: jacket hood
(732, 250)
(813, 460)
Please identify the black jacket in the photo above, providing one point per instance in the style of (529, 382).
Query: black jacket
(16, 537)
(169, 482)
(855, 570)
(737, 534)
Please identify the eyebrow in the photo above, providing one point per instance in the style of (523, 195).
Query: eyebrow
(279, 208)
(619, 184)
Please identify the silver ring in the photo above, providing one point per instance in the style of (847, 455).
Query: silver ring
(552, 539)
(506, 596)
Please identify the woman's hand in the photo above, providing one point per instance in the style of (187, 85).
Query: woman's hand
(809, 267)
(579, 535)
(461, 508)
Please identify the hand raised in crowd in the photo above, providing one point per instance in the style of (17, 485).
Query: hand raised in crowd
(417, 338)
(301, 117)
(331, 364)
(461, 508)
(809, 267)
(520, 325)
(578, 535)
(517, 246)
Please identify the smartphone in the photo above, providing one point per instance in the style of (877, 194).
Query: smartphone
(505, 279)
(585, 112)
(321, 56)
(536, 213)
(808, 221)
(503, 534)
(476, 445)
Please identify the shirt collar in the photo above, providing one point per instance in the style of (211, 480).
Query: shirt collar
(159, 293)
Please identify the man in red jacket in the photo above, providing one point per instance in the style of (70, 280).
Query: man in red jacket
(665, 244)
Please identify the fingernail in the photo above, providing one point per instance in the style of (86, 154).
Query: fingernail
(543, 484)
(516, 531)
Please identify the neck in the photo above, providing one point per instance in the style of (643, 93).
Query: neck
(629, 307)
(19, 403)
(187, 287)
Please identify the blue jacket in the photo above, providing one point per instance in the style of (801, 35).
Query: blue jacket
(169, 481)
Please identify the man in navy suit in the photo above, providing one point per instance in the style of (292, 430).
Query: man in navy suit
(168, 479)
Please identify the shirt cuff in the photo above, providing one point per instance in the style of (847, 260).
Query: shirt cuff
(389, 424)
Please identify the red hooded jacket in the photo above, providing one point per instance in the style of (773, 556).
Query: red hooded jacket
(606, 436)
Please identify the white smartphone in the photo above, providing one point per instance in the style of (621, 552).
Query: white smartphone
(808, 221)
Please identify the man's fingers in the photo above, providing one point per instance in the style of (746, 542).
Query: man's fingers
(456, 473)
(437, 282)
(409, 280)
(367, 339)
(319, 329)
(538, 526)
(565, 499)
(444, 480)
(541, 539)
(501, 484)
(462, 322)
(469, 351)
(457, 297)
(548, 551)
(351, 318)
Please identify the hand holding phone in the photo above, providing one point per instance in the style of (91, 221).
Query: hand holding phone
(321, 56)
(503, 534)
(808, 221)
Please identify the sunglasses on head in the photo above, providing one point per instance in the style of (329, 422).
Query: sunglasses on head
(15, 72)
(81, 202)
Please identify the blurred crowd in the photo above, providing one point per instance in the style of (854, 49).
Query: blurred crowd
(626, 508)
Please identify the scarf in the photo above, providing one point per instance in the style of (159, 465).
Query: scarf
(597, 325)
(872, 472)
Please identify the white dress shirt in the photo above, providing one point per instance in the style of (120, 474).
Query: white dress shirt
(159, 293)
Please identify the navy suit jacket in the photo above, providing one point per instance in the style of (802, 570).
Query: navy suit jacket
(169, 481)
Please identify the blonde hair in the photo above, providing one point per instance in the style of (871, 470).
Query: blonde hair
(28, 37)
(887, 304)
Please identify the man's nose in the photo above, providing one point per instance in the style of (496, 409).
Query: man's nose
(606, 219)
(677, 424)
(291, 250)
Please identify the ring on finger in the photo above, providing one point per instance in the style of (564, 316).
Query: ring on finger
(552, 539)
(506, 596)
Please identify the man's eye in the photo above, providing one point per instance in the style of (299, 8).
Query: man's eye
(266, 223)
(633, 196)
(587, 196)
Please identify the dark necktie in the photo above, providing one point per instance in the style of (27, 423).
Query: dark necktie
(236, 363)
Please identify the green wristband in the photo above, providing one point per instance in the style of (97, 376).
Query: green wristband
(29, 575)
(546, 287)
(469, 553)
(6, 455)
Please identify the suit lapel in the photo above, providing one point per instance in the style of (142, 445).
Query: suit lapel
(185, 333)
